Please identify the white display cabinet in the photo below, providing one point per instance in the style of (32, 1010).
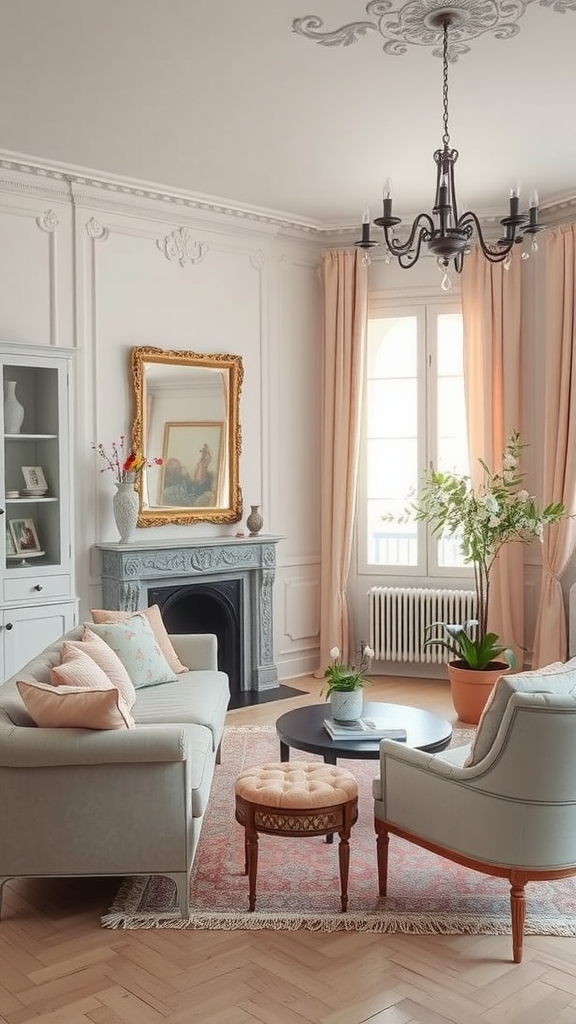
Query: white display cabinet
(37, 599)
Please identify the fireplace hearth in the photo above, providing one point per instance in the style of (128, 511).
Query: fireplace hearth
(209, 585)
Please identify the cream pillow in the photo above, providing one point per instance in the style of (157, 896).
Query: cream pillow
(75, 707)
(135, 644)
(559, 677)
(105, 658)
(154, 617)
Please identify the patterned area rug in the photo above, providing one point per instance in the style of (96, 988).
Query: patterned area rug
(298, 881)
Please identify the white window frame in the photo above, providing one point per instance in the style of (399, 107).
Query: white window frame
(426, 308)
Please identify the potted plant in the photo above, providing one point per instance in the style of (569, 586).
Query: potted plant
(483, 519)
(345, 683)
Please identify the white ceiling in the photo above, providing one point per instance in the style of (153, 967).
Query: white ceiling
(221, 97)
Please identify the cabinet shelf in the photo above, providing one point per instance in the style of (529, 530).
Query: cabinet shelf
(37, 593)
(30, 437)
(27, 498)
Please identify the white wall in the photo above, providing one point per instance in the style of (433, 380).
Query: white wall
(82, 264)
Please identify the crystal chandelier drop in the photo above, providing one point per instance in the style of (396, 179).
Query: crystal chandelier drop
(448, 234)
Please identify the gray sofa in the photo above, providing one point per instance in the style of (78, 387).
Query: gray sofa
(128, 802)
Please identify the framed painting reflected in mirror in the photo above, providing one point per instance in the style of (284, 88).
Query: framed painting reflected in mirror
(192, 465)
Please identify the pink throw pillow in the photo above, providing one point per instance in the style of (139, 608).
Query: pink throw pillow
(105, 658)
(75, 707)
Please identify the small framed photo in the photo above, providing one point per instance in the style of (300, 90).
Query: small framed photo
(10, 549)
(24, 536)
(34, 478)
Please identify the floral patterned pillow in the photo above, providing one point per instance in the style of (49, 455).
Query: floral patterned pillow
(136, 646)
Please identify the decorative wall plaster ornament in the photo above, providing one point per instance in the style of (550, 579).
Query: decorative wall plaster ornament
(257, 259)
(180, 245)
(96, 230)
(414, 23)
(48, 221)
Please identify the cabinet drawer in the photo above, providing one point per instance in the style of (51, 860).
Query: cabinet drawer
(40, 587)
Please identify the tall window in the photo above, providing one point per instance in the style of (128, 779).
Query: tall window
(415, 419)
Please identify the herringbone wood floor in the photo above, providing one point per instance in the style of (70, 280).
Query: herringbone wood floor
(58, 966)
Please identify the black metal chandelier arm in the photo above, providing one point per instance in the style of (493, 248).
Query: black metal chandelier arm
(494, 253)
(421, 231)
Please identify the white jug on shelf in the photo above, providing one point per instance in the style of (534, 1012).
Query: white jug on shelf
(13, 409)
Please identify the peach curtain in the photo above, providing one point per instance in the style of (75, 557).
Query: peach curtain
(491, 310)
(559, 475)
(345, 281)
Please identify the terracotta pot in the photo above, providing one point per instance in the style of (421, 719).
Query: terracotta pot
(472, 687)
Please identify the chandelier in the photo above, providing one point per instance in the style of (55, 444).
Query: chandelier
(448, 234)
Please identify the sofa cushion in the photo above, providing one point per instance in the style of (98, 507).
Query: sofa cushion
(106, 658)
(199, 698)
(154, 616)
(77, 707)
(559, 678)
(136, 646)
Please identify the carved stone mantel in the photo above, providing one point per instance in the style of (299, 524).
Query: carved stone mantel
(128, 570)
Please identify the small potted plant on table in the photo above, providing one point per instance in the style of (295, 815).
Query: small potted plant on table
(345, 683)
(483, 519)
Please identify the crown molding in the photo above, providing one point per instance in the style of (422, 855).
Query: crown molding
(54, 182)
(82, 187)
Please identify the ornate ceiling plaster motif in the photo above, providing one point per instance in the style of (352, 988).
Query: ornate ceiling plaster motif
(417, 23)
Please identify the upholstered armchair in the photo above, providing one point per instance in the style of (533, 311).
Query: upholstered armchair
(506, 805)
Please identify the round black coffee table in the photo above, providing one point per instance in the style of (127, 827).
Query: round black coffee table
(303, 729)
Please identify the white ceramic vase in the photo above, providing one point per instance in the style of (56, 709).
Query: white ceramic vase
(13, 409)
(125, 507)
(346, 705)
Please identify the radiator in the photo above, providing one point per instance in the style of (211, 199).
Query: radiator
(399, 617)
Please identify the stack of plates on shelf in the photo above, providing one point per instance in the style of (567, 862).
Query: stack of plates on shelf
(34, 492)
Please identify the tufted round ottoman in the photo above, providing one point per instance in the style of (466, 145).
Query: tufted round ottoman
(295, 798)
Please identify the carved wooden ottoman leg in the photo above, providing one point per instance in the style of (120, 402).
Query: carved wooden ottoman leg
(350, 813)
(251, 846)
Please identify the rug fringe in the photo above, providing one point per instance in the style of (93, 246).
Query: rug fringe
(409, 924)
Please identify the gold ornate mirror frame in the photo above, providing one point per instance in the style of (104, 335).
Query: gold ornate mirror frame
(187, 413)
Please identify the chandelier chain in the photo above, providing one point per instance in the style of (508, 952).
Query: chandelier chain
(446, 135)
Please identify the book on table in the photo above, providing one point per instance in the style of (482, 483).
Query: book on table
(363, 729)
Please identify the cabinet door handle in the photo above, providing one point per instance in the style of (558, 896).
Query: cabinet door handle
(38, 587)
(9, 625)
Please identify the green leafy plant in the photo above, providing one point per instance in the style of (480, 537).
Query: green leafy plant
(347, 677)
(497, 511)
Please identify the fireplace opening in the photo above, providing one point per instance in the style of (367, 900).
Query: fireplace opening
(215, 607)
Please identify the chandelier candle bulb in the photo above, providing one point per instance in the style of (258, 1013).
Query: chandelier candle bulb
(366, 225)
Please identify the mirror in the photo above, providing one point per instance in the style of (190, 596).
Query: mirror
(186, 412)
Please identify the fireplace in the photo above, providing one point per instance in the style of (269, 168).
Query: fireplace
(209, 585)
(208, 607)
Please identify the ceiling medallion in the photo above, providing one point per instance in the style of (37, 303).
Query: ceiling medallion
(415, 23)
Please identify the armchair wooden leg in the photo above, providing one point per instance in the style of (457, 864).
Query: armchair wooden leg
(518, 911)
(382, 842)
